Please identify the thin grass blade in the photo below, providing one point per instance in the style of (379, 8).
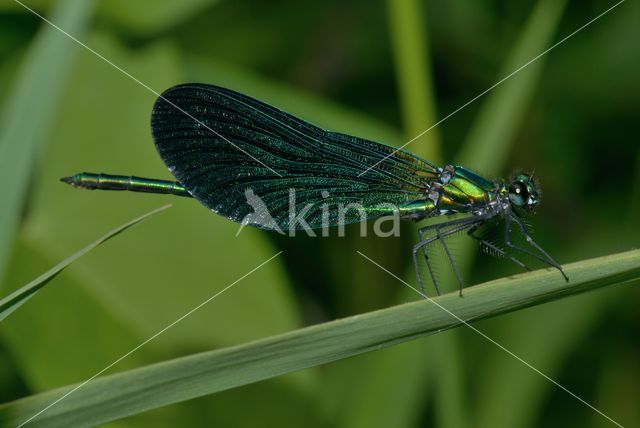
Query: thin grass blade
(116, 396)
(30, 108)
(414, 76)
(13, 301)
(488, 144)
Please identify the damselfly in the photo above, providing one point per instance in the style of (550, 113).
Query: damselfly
(223, 146)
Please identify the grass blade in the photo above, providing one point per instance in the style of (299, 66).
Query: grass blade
(554, 337)
(19, 297)
(128, 393)
(29, 109)
(487, 146)
(414, 76)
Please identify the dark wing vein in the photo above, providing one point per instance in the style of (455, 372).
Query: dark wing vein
(322, 167)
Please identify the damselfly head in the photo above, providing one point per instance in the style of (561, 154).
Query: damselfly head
(523, 192)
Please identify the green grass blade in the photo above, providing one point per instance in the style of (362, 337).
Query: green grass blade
(11, 302)
(150, 17)
(128, 393)
(634, 201)
(29, 109)
(554, 336)
(487, 146)
(414, 76)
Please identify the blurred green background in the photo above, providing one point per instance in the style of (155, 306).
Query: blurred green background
(381, 70)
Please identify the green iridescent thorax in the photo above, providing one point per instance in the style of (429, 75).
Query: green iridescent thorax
(465, 191)
(454, 190)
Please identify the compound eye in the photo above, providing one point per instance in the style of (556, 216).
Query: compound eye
(518, 193)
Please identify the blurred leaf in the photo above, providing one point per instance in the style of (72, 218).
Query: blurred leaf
(129, 291)
(11, 302)
(546, 338)
(447, 368)
(112, 397)
(113, 136)
(394, 376)
(619, 389)
(57, 226)
(38, 5)
(634, 201)
(146, 17)
(488, 145)
(414, 77)
(11, 386)
(29, 110)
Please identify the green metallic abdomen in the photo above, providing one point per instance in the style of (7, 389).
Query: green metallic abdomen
(418, 209)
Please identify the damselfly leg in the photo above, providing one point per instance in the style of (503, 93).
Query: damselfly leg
(497, 250)
(442, 231)
(545, 258)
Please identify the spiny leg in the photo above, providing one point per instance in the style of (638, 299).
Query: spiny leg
(459, 225)
(533, 243)
(466, 222)
(546, 259)
(416, 248)
(453, 265)
(424, 244)
(427, 260)
(499, 251)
